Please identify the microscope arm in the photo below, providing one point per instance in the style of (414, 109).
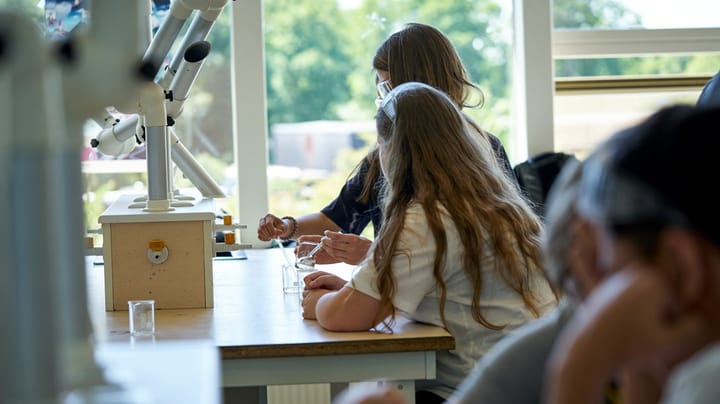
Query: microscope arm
(167, 34)
(198, 30)
(113, 141)
(193, 59)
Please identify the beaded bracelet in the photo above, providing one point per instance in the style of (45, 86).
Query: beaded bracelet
(294, 227)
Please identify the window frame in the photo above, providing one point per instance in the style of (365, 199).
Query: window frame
(575, 44)
(249, 116)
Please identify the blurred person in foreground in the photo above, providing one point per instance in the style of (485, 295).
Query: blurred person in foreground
(459, 247)
(656, 321)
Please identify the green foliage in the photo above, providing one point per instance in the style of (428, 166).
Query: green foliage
(24, 7)
(215, 168)
(593, 14)
(205, 125)
(318, 55)
(306, 60)
(636, 66)
(94, 205)
(612, 14)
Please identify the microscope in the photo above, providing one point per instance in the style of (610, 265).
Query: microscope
(160, 246)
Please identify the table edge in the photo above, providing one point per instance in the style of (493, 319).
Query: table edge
(338, 348)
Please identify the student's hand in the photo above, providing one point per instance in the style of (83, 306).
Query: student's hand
(663, 335)
(337, 247)
(317, 284)
(309, 302)
(271, 227)
(639, 316)
(630, 321)
(306, 243)
(344, 247)
(323, 280)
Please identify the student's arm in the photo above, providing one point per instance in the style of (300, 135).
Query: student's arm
(314, 223)
(338, 307)
(271, 226)
(337, 247)
(356, 306)
(344, 213)
(349, 310)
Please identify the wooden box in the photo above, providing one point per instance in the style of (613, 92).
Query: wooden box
(164, 256)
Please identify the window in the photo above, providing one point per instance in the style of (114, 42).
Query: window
(616, 62)
(321, 86)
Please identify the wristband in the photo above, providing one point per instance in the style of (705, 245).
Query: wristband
(293, 223)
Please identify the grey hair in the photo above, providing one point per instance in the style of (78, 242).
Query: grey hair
(617, 200)
(559, 216)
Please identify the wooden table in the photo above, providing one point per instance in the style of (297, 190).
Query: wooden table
(263, 339)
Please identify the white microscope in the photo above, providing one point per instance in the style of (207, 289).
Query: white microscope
(160, 246)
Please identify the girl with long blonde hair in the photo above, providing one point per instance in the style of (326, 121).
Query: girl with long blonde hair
(459, 246)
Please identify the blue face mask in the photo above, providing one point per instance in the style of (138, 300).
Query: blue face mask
(383, 89)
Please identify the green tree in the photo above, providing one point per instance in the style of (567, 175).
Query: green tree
(24, 7)
(307, 60)
(593, 14)
(205, 125)
(477, 29)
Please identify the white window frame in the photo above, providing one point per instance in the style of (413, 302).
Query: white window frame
(249, 116)
(532, 128)
(537, 44)
(575, 44)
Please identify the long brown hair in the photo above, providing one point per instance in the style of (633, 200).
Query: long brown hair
(422, 53)
(430, 158)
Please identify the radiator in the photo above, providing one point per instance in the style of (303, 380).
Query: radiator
(324, 393)
(299, 394)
